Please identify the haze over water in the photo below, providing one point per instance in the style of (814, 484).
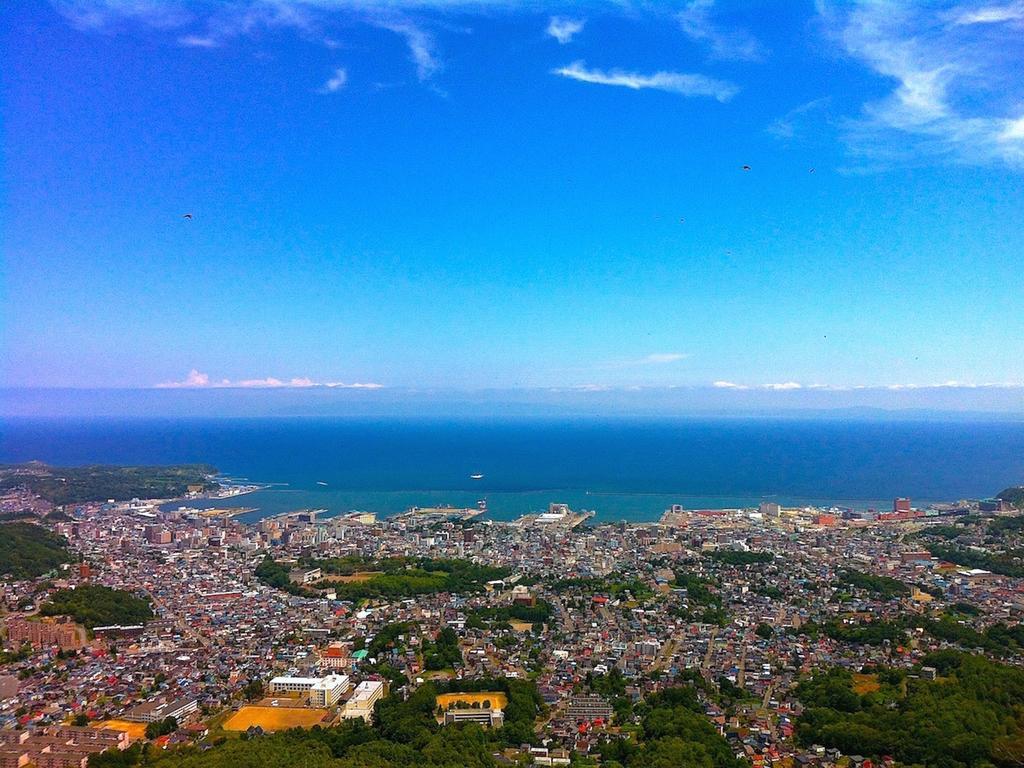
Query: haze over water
(623, 469)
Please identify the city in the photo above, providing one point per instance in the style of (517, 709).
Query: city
(301, 620)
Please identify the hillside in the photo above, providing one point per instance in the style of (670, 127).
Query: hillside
(74, 485)
(28, 550)
(1013, 495)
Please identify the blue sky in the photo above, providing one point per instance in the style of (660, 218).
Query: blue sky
(512, 195)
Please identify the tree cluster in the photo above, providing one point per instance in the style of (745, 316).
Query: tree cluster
(674, 734)
(882, 586)
(159, 728)
(971, 717)
(737, 557)
(94, 605)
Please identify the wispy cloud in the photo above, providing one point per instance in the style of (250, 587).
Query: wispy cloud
(197, 41)
(197, 380)
(954, 384)
(787, 126)
(219, 23)
(652, 359)
(672, 82)
(336, 82)
(564, 29)
(990, 14)
(660, 358)
(104, 14)
(789, 386)
(957, 94)
(697, 23)
(421, 45)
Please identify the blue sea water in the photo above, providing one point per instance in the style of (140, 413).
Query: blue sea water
(622, 469)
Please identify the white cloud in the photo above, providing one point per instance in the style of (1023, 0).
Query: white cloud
(564, 29)
(729, 385)
(673, 82)
(197, 380)
(1013, 131)
(736, 44)
(955, 76)
(336, 82)
(784, 386)
(194, 379)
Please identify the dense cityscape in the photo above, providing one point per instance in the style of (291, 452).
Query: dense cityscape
(764, 637)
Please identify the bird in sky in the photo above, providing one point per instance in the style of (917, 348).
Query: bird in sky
(187, 216)
(746, 167)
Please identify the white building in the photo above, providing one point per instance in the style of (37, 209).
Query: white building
(492, 717)
(152, 711)
(366, 694)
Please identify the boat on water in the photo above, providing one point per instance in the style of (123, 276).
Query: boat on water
(320, 482)
(476, 476)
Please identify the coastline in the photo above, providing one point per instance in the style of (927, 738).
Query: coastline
(505, 506)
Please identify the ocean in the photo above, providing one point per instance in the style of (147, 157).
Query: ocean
(621, 469)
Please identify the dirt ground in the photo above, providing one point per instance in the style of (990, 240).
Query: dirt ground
(274, 718)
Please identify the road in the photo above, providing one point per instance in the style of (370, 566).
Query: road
(711, 649)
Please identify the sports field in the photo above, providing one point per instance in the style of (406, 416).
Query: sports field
(274, 718)
(135, 731)
(497, 698)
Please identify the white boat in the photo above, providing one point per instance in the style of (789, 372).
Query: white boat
(320, 482)
(476, 476)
